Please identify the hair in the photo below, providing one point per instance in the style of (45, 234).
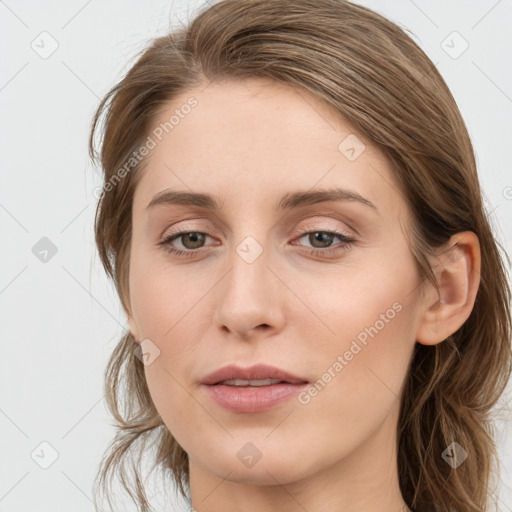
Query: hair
(372, 74)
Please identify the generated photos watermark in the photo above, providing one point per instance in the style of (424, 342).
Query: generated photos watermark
(357, 345)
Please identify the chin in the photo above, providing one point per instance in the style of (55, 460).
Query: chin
(257, 462)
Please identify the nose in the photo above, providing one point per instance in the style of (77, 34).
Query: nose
(251, 296)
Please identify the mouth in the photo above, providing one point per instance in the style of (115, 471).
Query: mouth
(251, 390)
(250, 383)
(257, 375)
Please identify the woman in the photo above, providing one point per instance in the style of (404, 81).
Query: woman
(318, 310)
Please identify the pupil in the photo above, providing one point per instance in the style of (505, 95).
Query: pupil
(195, 238)
(322, 237)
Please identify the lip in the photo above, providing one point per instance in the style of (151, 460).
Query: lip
(256, 372)
(252, 399)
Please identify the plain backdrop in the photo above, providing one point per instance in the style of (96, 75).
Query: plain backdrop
(60, 316)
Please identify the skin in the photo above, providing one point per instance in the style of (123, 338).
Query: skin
(248, 143)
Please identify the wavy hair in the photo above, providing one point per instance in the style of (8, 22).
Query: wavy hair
(371, 73)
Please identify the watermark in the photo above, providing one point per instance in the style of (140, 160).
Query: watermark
(249, 454)
(343, 360)
(45, 45)
(149, 144)
(454, 44)
(454, 455)
(351, 147)
(175, 119)
(44, 250)
(507, 193)
(147, 351)
(249, 249)
(44, 455)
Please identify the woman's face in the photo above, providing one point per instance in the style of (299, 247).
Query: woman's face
(266, 279)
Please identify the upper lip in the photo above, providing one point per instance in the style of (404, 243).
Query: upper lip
(256, 372)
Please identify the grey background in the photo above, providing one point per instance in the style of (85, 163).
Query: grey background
(61, 318)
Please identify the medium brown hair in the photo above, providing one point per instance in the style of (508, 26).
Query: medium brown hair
(376, 78)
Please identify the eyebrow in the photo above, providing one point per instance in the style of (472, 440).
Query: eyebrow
(287, 202)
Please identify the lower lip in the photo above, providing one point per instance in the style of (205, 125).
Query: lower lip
(253, 399)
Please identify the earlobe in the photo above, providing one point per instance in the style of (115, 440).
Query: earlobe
(458, 275)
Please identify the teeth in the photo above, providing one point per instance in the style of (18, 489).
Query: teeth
(240, 382)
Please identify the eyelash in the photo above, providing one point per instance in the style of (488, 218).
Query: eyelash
(346, 242)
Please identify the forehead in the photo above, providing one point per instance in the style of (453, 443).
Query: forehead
(256, 140)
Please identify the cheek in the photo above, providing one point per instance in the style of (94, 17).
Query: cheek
(370, 321)
(165, 305)
(162, 297)
(167, 390)
(359, 378)
(363, 302)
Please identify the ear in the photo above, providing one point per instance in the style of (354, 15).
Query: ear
(457, 272)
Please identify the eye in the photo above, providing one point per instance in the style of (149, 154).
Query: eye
(191, 240)
(322, 242)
